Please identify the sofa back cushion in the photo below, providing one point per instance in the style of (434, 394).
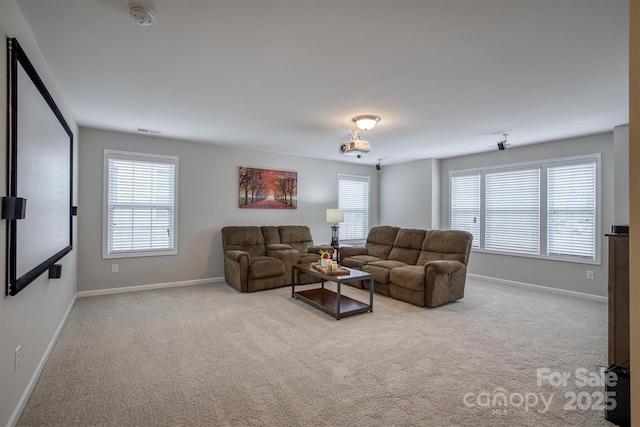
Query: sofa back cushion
(271, 235)
(296, 236)
(244, 238)
(380, 240)
(447, 245)
(406, 247)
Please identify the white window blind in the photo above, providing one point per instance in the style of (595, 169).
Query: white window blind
(353, 198)
(512, 211)
(546, 209)
(571, 210)
(465, 205)
(140, 204)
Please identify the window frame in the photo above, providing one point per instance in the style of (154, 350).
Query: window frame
(362, 178)
(543, 165)
(143, 157)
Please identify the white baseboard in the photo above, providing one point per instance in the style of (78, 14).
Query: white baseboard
(82, 294)
(36, 374)
(495, 280)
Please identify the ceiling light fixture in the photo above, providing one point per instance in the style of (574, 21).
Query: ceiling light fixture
(366, 122)
(142, 15)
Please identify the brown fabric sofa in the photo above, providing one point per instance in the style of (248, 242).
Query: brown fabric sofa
(258, 258)
(421, 267)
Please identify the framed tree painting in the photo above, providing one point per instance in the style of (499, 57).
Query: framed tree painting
(268, 189)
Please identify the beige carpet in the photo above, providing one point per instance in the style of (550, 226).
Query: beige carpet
(208, 355)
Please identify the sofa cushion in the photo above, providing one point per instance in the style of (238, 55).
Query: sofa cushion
(296, 236)
(244, 238)
(450, 245)
(308, 258)
(409, 277)
(359, 261)
(380, 269)
(406, 247)
(264, 266)
(380, 240)
(271, 235)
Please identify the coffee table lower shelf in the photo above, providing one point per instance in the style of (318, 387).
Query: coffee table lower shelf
(326, 300)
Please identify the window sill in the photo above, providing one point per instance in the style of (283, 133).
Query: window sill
(597, 261)
(138, 254)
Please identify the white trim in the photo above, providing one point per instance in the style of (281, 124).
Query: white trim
(133, 156)
(361, 178)
(543, 257)
(36, 374)
(148, 287)
(544, 166)
(520, 165)
(497, 281)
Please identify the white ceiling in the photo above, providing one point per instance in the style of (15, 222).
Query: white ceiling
(448, 77)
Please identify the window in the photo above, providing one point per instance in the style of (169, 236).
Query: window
(353, 198)
(571, 210)
(547, 209)
(140, 204)
(465, 205)
(512, 211)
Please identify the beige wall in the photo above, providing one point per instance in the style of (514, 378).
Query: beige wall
(555, 274)
(208, 190)
(32, 318)
(410, 194)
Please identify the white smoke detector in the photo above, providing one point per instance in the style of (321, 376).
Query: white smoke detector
(142, 15)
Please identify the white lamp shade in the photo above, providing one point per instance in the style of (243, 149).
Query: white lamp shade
(335, 216)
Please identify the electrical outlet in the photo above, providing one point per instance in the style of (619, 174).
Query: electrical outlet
(114, 268)
(17, 359)
(589, 274)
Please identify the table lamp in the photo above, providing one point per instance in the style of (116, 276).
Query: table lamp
(335, 216)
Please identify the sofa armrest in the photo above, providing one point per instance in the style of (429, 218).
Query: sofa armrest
(290, 258)
(236, 269)
(274, 249)
(278, 247)
(315, 249)
(348, 251)
(444, 266)
(444, 282)
(236, 255)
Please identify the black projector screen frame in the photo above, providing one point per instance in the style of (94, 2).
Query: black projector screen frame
(40, 169)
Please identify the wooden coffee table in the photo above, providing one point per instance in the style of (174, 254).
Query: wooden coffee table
(325, 299)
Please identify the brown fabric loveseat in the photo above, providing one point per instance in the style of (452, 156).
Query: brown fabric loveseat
(421, 267)
(258, 258)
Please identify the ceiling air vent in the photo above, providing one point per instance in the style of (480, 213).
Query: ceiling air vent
(149, 131)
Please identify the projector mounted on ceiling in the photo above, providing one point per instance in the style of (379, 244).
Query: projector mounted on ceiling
(356, 146)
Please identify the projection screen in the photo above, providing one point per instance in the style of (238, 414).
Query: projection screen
(41, 171)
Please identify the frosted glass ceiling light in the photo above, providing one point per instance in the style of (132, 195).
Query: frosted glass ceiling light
(366, 121)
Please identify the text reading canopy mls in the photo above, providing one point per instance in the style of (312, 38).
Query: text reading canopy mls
(38, 209)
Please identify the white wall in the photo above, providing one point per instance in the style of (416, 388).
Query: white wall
(30, 319)
(562, 275)
(410, 194)
(208, 201)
